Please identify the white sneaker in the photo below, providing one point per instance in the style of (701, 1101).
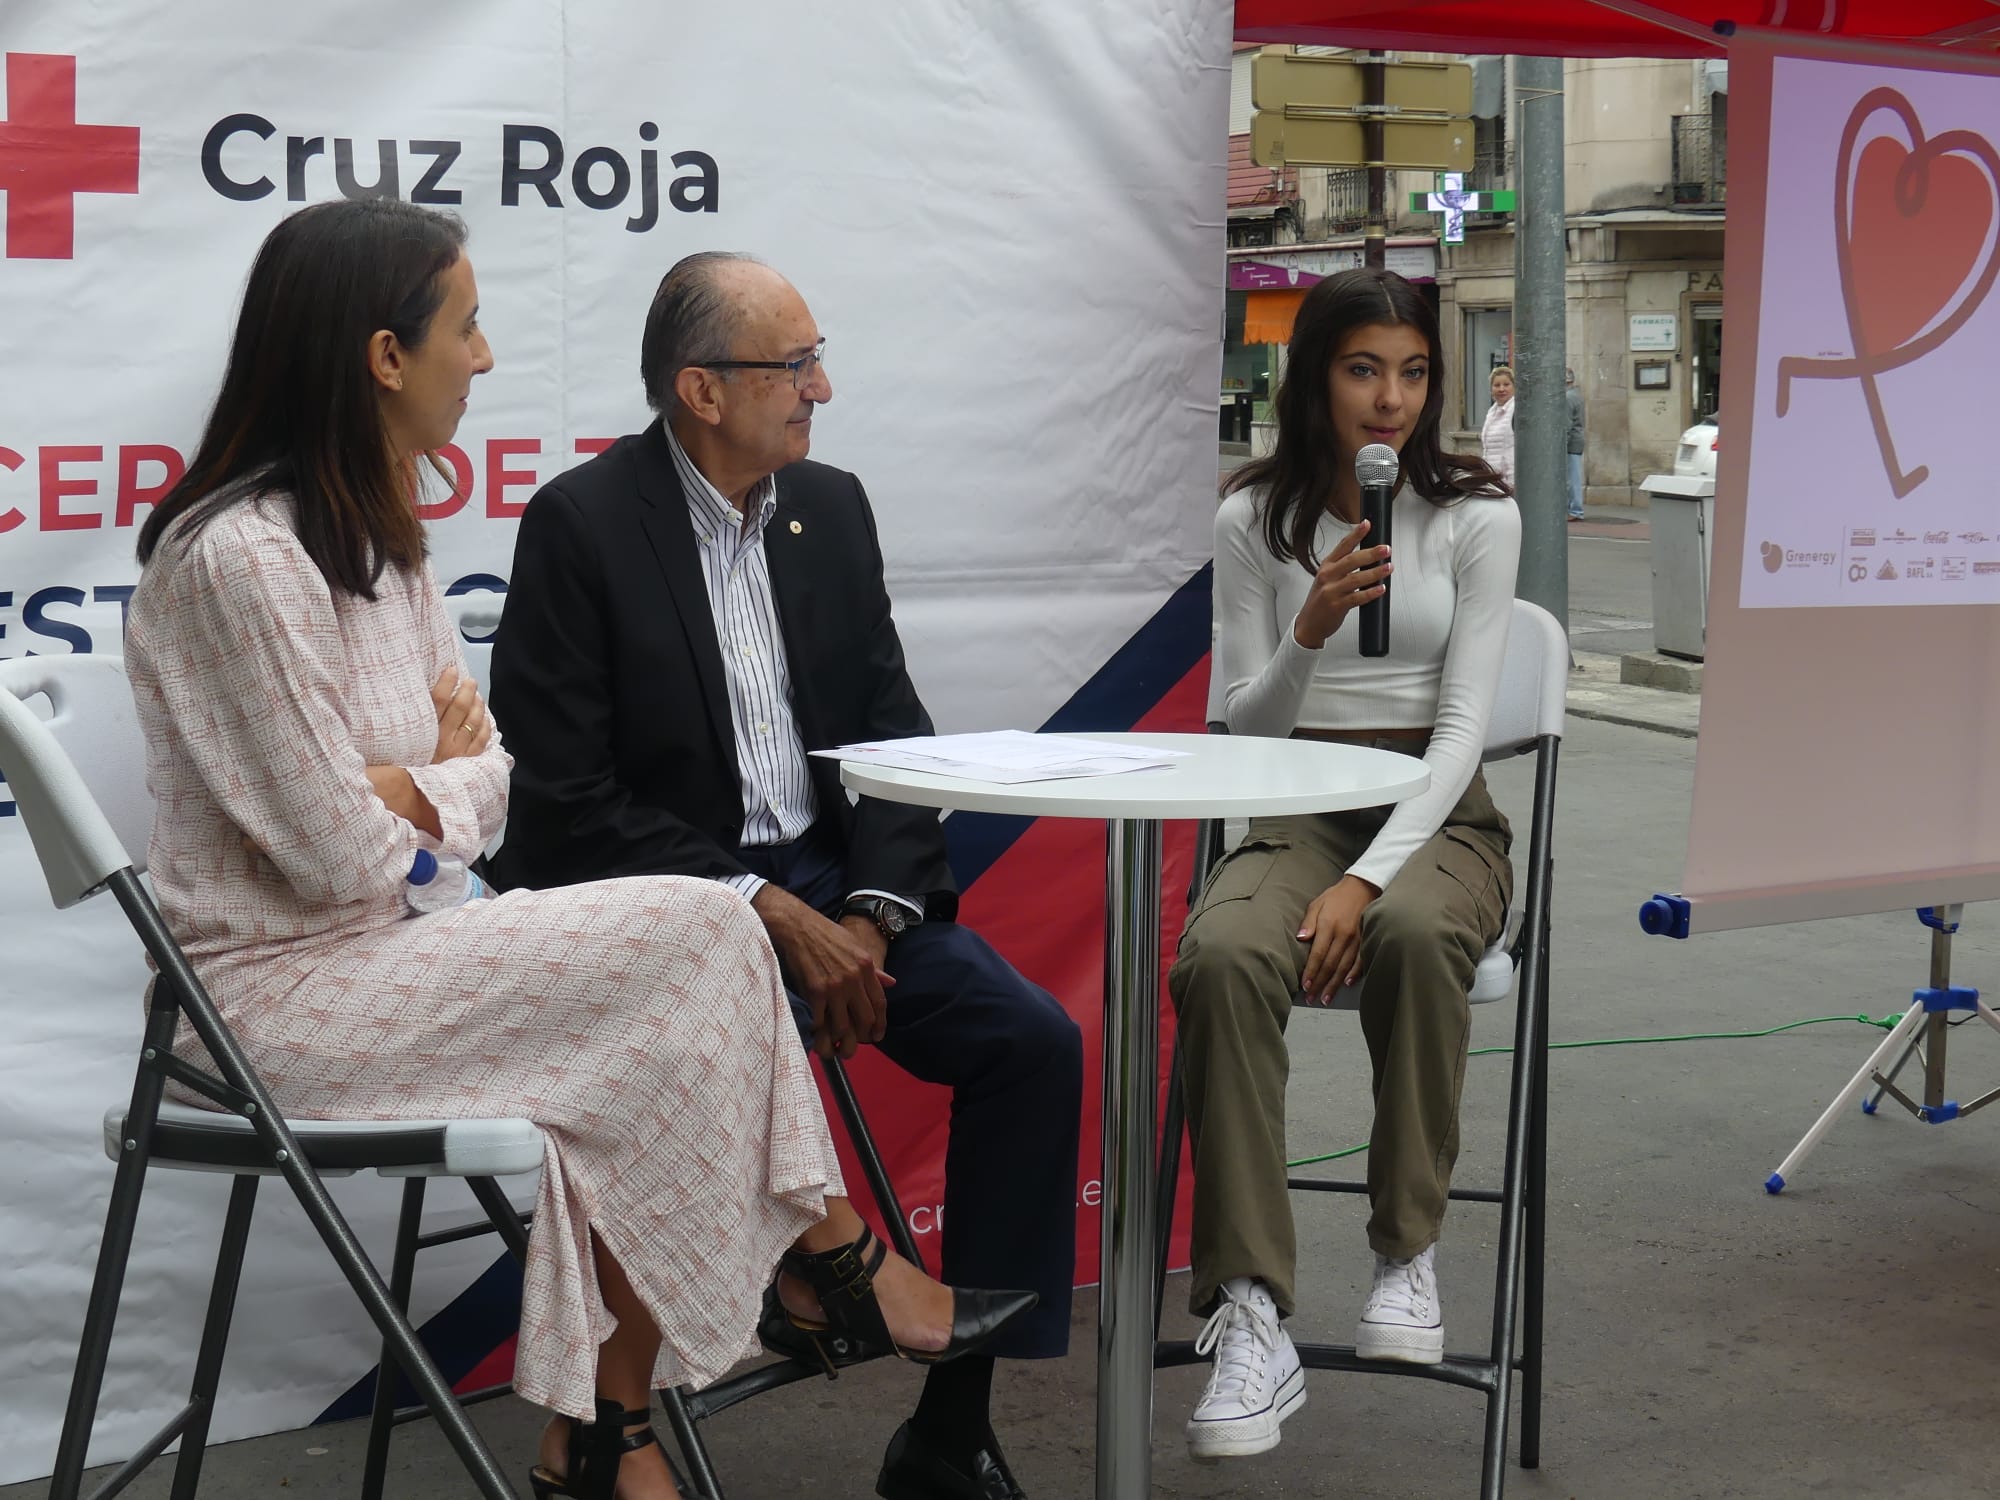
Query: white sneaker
(1257, 1381)
(1403, 1318)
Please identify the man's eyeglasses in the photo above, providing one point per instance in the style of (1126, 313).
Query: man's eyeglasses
(803, 368)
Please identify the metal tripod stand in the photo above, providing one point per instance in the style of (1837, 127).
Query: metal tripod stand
(1922, 1032)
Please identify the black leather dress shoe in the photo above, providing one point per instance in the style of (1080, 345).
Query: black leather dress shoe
(913, 1470)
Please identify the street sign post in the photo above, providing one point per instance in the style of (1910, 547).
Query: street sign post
(1361, 111)
(1336, 141)
(1282, 81)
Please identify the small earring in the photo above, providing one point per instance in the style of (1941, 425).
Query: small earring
(399, 385)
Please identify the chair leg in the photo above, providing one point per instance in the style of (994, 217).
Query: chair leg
(389, 1374)
(680, 1416)
(701, 1469)
(215, 1336)
(1538, 1204)
(1530, 1044)
(506, 1222)
(879, 1185)
(1167, 1186)
(114, 1250)
(1515, 1190)
(314, 1200)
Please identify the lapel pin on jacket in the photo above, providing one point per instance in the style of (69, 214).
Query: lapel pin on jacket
(796, 528)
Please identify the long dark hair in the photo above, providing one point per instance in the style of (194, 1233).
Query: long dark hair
(1302, 471)
(298, 411)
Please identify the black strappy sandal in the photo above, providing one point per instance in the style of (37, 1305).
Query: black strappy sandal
(596, 1449)
(831, 1352)
(844, 1281)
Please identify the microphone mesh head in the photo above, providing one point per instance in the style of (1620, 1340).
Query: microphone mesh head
(1376, 464)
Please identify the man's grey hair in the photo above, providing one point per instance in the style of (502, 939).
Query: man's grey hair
(692, 321)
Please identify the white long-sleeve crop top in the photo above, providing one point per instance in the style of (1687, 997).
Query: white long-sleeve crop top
(1450, 598)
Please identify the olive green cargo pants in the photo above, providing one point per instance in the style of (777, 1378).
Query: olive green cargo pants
(1234, 984)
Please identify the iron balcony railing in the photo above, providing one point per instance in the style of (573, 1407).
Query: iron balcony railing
(1346, 200)
(1700, 160)
(1488, 175)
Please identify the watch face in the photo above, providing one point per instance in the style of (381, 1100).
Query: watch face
(892, 917)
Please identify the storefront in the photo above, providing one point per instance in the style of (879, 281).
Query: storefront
(1266, 286)
(1644, 297)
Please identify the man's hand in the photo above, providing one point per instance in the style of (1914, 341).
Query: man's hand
(1333, 926)
(869, 936)
(836, 967)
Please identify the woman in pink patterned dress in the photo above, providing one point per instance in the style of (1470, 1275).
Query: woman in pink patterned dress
(310, 727)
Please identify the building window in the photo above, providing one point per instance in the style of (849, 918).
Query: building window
(1704, 360)
(1489, 343)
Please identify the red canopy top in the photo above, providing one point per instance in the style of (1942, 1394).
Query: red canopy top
(1608, 28)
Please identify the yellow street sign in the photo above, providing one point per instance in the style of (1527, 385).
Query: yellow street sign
(1282, 81)
(1436, 145)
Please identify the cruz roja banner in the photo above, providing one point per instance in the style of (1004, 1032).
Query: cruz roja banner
(1006, 219)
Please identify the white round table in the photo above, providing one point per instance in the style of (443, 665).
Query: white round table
(1222, 776)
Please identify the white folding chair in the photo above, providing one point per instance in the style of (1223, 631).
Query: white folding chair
(1527, 720)
(79, 783)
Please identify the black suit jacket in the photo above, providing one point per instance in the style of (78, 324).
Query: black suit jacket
(607, 681)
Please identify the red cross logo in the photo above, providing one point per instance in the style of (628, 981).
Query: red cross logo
(46, 158)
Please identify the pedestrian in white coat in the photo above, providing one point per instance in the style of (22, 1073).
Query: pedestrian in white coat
(1496, 437)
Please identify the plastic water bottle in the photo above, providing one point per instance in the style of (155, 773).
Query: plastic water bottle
(440, 884)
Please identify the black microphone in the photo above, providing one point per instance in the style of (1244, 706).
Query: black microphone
(1376, 466)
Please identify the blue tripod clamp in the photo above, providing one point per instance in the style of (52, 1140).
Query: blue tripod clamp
(1665, 916)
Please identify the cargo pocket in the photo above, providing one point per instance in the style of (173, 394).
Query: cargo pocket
(1487, 877)
(1243, 871)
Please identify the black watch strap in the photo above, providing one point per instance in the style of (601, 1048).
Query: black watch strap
(891, 918)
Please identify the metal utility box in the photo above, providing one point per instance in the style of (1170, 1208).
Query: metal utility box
(1681, 510)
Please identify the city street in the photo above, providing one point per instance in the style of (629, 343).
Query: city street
(1611, 582)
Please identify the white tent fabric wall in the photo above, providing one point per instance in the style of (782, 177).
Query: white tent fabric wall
(1007, 221)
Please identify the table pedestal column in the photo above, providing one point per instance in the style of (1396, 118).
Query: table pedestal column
(1131, 1103)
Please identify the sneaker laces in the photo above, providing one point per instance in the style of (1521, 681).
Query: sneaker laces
(1236, 1331)
(1404, 1286)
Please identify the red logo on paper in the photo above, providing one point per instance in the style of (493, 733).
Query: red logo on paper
(46, 158)
(1914, 234)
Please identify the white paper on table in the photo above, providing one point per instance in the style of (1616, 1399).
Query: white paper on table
(1008, 756)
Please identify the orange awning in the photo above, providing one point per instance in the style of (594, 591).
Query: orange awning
(1267, 316)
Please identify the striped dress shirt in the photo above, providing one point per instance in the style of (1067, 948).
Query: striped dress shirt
(778, 799)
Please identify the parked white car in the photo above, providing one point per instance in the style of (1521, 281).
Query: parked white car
(1695, 457)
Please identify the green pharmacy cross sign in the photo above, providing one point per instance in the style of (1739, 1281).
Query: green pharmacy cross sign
(1454, 202)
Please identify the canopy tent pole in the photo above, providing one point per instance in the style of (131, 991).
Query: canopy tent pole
(1541, 414)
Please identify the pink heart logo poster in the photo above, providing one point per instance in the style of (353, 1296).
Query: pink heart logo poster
(1876, 340)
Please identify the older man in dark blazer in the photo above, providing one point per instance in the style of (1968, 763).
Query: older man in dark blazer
(690, 613)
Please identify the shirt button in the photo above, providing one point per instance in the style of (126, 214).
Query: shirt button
(763, 728)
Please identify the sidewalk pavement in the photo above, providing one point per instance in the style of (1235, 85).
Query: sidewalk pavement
(1595, 692)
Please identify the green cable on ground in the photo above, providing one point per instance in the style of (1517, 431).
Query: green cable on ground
(1885, 1022)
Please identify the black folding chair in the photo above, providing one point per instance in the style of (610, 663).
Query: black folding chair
(78, 781)
(686, 1408)
(1527, 720)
